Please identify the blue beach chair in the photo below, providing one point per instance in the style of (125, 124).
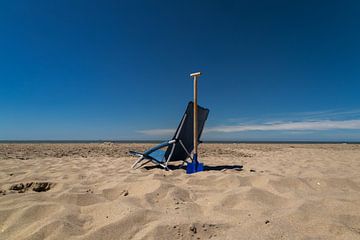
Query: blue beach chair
(179, 148)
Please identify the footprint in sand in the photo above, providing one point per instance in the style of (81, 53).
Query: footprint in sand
(35, 186)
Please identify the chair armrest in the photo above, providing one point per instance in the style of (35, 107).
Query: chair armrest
(157, 147)
(134, 153)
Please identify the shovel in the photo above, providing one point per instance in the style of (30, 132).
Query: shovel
(195, 165)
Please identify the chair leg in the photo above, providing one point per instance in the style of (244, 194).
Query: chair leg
(183, 163)
(187, 152)
(143, 164)
(137, 161)
(165, 167)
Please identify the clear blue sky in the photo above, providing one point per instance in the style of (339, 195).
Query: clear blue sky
(272, 70)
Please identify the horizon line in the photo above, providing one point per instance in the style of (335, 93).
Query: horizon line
(159, 140)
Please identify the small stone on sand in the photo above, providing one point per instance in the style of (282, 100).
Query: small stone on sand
(193, 229)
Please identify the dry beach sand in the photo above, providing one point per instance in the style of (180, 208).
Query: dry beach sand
(87, 191)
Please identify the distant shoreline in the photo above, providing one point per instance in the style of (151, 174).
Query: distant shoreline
(157, 141)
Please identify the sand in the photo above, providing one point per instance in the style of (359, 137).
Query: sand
(87, 191)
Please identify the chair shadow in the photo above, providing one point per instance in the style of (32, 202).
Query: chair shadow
(223, 168)
(206, 167)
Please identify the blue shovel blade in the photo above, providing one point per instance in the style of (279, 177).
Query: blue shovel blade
(190, 168)
(194, 167)
(200, 167)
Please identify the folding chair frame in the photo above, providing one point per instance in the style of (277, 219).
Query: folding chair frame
(145, 155)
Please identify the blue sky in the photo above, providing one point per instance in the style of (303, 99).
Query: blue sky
(272, 70)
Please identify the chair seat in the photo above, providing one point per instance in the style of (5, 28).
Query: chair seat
(158, 155)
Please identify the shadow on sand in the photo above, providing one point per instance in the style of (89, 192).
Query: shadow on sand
(206, 167)
(223, 168)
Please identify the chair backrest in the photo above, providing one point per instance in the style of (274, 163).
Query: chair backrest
(184, 132)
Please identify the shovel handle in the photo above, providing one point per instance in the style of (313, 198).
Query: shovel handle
(195, 75)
